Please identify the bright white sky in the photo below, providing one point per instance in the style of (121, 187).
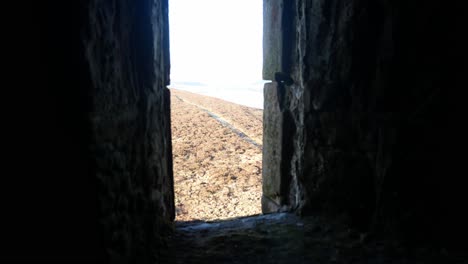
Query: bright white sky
(216, 41)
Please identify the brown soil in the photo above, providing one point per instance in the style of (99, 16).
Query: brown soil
(217, 157)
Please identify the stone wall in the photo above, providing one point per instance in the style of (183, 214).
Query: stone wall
(89, 150)
(131, 123)
(369, 105)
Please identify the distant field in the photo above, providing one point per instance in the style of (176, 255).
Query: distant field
(249, 94)
(217, 151)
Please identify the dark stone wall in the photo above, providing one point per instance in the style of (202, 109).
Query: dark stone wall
(88, 158)
(127, 51)
(372, 103)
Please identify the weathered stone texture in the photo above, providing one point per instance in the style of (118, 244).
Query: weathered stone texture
(272, 149)
(92, 134)
(279, 129)
(272, 38)
(366, 106)
(131, 124)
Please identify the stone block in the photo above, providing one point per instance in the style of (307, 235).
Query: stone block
(272, 38)
(272, 148)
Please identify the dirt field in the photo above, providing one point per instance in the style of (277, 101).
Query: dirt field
(217, 157)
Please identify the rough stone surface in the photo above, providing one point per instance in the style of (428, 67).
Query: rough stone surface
(367, 102)
(94, 159)
(272, 38)
(272, 150)
(278, 130)
(286, 238)
(131, 124)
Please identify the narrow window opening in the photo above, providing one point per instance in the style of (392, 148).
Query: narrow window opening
(216, 107)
